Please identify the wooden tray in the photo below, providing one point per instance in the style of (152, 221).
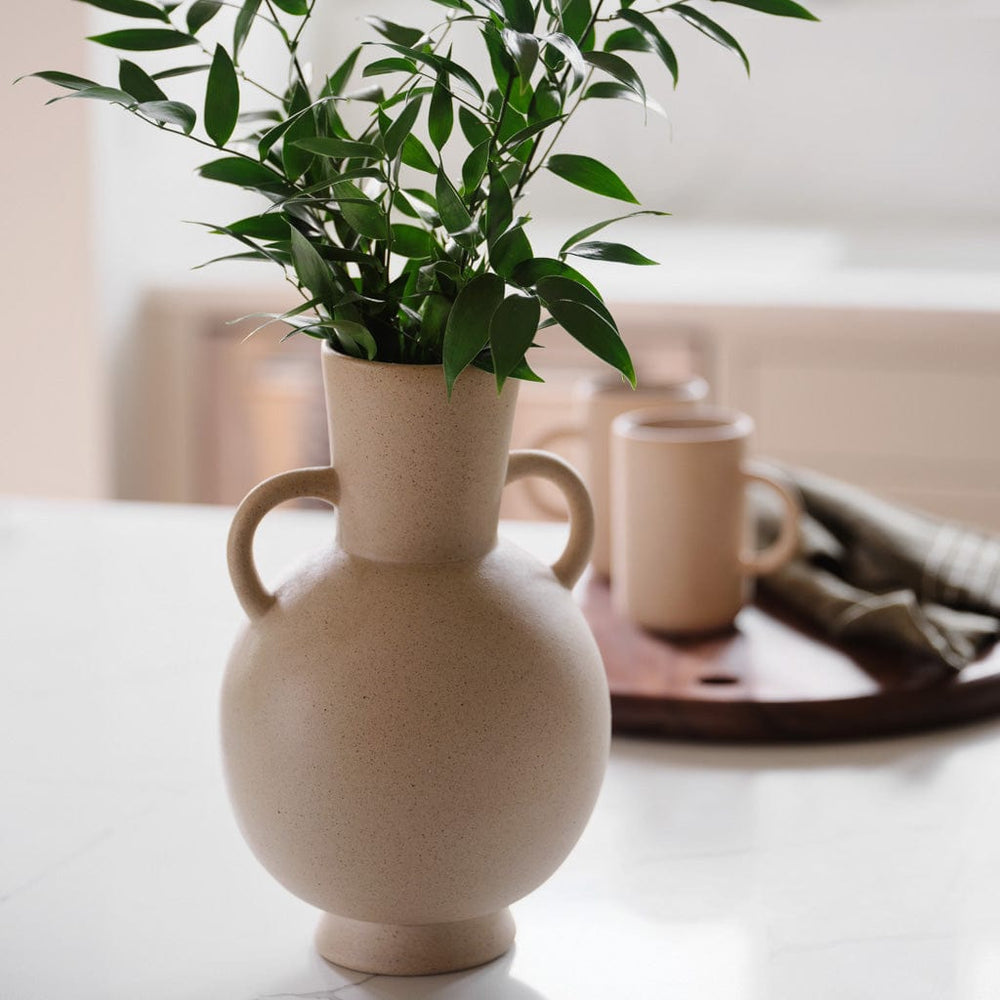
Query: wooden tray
(771, 679)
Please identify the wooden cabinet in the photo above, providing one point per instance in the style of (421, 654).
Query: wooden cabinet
(903, 402)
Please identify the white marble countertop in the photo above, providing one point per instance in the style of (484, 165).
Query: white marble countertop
(707, 873)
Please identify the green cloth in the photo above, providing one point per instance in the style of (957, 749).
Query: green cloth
(870, 570)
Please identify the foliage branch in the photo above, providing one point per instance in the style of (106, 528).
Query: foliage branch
(397, 258)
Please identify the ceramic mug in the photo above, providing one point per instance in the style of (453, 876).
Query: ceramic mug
(679, 495)
(599, 400)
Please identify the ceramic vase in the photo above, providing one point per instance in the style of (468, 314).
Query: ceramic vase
(416, 724)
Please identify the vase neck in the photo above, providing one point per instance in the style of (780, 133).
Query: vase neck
(420, 475)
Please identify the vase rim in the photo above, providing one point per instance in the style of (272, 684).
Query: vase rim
(347, 359)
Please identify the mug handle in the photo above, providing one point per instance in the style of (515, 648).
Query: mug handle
(774, 557)
(544, 442)
(317, 484)
(569, 567)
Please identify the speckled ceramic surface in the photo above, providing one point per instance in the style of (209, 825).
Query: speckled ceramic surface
(415, 726)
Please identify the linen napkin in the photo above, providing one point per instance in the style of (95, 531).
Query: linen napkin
(870, 570)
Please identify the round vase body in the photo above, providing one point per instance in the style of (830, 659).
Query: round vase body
(415, 727)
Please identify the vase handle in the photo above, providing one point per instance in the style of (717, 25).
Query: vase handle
(570, 565)
(317, 484)
(544, 442)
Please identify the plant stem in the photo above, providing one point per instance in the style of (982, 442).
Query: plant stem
(193, 138)
(239, 72)
(290, 45)
(305, 20)
(527, 173)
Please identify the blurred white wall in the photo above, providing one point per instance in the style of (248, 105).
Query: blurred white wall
(877, 123)
(53, 427)
(873, 122)
(876, 117)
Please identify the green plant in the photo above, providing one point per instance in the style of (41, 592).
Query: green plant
(397, 258)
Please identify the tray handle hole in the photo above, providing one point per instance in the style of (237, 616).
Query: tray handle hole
(719, 680)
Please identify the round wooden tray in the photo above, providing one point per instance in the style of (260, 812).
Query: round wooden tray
(771, 679)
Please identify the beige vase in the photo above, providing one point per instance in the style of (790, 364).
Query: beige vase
(415, 726)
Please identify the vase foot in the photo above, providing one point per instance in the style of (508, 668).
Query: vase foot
(414, 949)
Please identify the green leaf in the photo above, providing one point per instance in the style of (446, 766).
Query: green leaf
(395, 64)
(590, 174)
(170, 113)
(396, 133)
(528, 274)
(530, 131)
(570, 51)
(412, 242)
(354, 338)
(710, 29)
(474, 168)
(297, 8)
(244, 22)
(362, 214)
(112, 95)
(278, 253)
(397, 33)
(415, 155)
(131, 8)
(294, 159)
(473, 128)
(628, 40)
(254, 255)
(609, 90)
(338, 80)
(655, 38)
(499, 206)
(509, 251)
(200, 13)
(438, 63)
(243, 173)
(523, 49)
(136, 81)
(434, 313)
(271, 136)
(222, 98)
(166, 74)
(454, 215)
(621, 70)
(598, 226)
(546, 103)
(782, 8)
(556, 287)
(493, 5)
(595, 333)
(615, 252)
(576, 16)
(519, 14)
(522, 371)
(67, 80)
(454, 5)
(312, 270)
(340, 149)
(441, 117)
(468, 327)
(144, 39)
(270, 226)
(512, 332)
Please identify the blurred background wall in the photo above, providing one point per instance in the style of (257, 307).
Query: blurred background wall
(863, 144)
(54, 384)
